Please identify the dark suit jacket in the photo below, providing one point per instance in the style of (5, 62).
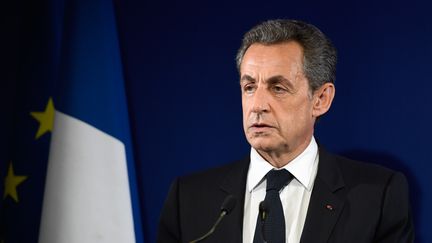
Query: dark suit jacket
(369, 204)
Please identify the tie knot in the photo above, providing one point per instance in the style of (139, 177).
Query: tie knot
(276, 179)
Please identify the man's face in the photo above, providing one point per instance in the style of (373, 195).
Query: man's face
(276, 100)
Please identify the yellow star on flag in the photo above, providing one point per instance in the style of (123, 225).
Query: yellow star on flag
(11, 183)
(45, 119)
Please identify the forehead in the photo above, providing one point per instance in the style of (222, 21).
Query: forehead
(284, 56)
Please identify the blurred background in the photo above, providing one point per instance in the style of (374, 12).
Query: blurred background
(183, 95)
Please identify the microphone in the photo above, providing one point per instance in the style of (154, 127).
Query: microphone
(227, 206)
(263, 213)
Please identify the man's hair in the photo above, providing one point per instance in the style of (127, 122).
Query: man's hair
(319, 54)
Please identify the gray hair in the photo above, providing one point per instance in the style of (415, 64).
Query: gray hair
(319, 61)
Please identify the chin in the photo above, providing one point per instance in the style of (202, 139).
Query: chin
(262, 144)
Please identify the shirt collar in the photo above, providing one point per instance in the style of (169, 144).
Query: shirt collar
(301, 167)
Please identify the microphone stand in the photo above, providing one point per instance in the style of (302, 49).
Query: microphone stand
(227, 206)
(223, 213)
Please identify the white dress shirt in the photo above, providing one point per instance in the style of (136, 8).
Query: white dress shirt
(295, 196)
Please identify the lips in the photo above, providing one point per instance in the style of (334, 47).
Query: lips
(260, 126)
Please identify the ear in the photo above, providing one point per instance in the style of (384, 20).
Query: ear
(322, 99)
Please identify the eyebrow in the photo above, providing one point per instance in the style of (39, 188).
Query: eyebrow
(247, 78)
(272, 80)
(280, 79)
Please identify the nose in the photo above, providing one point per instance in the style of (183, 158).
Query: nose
(260, 101)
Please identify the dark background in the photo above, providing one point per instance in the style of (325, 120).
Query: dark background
(184, 97)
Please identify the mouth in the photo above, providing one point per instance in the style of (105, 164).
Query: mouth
(260, 126)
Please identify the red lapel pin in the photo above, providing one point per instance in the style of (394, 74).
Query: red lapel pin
(329, 207)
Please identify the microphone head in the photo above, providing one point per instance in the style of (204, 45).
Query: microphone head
(263, 206)
(263, 210)
(228, 204)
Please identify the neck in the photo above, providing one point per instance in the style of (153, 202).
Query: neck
(279, 159)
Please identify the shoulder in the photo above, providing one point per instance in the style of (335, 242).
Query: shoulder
(214, 176)
(194, 200)
(354, 172)
(376, 198)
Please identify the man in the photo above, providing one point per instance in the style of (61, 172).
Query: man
(287, 70)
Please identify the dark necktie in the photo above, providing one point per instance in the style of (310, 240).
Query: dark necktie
(274, 224)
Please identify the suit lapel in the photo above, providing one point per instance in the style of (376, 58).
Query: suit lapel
(234, 183)
(327, 201)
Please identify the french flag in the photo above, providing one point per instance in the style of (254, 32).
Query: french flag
(90, 190)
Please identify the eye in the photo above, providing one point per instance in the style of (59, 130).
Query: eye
(278, 89)
(249, 88)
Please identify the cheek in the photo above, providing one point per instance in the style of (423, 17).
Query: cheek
(244, 112)
(294, 115)
(245, 106)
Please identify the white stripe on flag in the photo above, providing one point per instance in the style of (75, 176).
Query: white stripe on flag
(87, 197)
